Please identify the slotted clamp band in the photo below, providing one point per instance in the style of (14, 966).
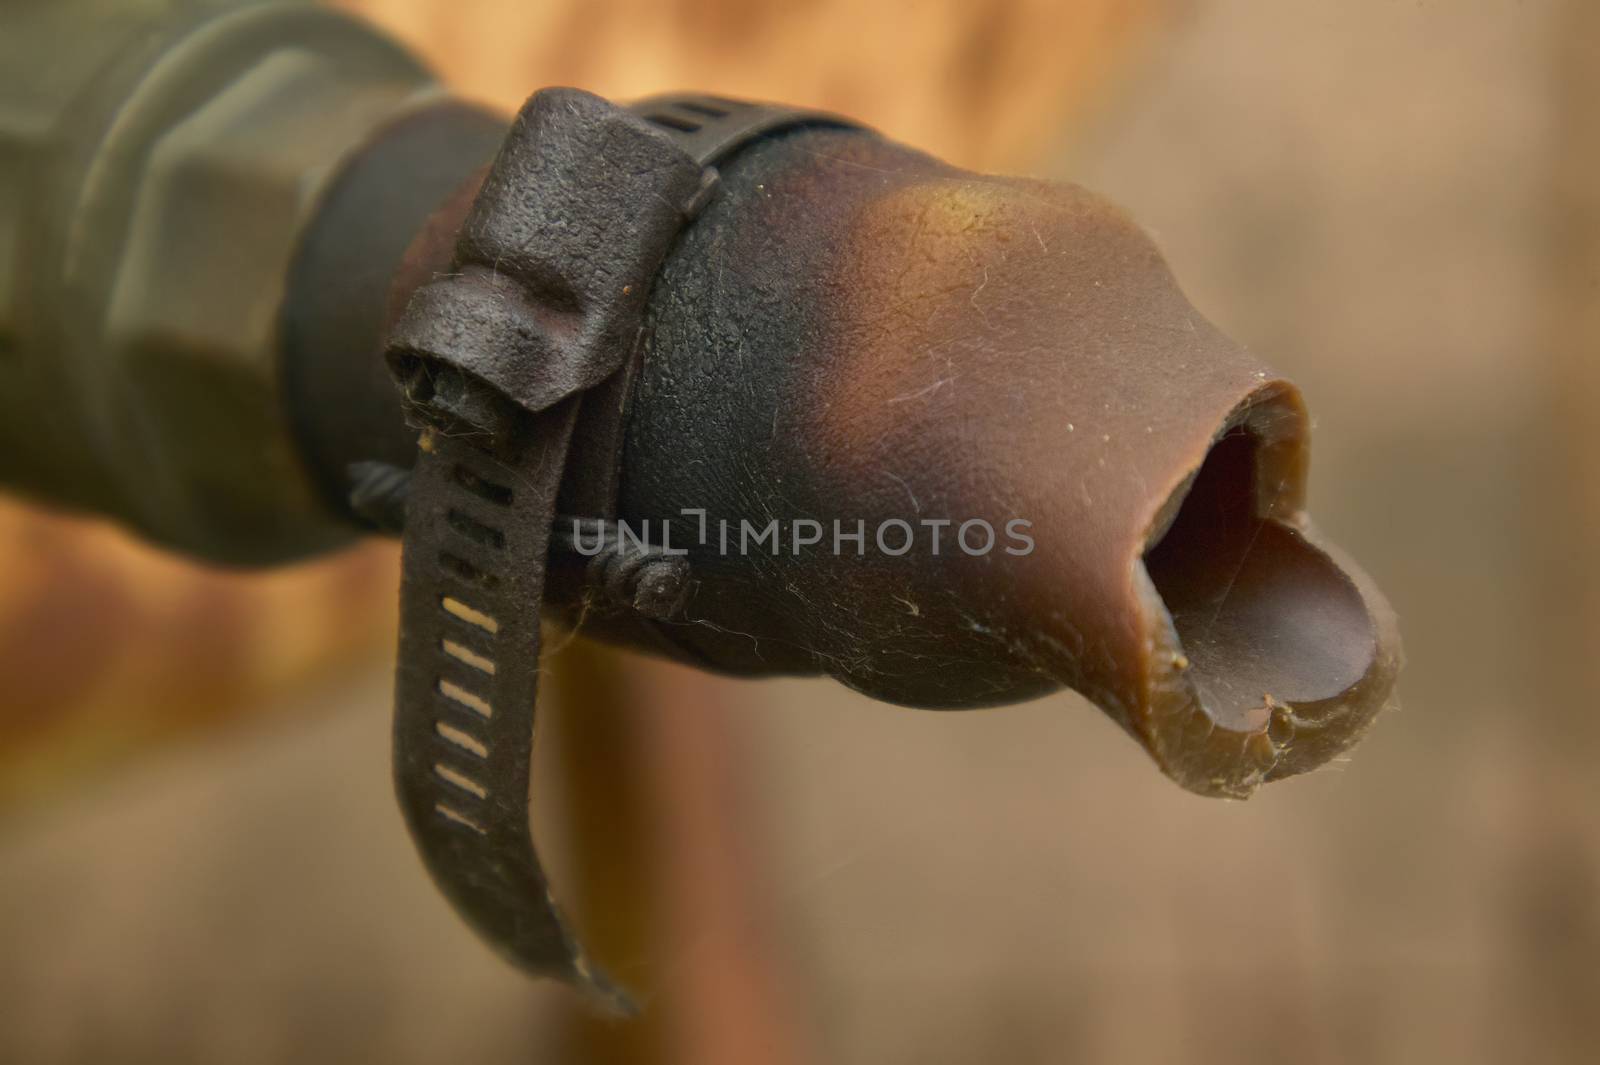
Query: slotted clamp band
(544, 302)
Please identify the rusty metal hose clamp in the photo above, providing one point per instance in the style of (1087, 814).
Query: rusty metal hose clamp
(498, 363)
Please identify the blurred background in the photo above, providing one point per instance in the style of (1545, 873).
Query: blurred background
(1397, 202)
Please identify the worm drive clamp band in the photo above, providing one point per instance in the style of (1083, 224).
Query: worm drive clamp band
(543, 305)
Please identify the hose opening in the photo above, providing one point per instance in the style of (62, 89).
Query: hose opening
(1265, 619)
